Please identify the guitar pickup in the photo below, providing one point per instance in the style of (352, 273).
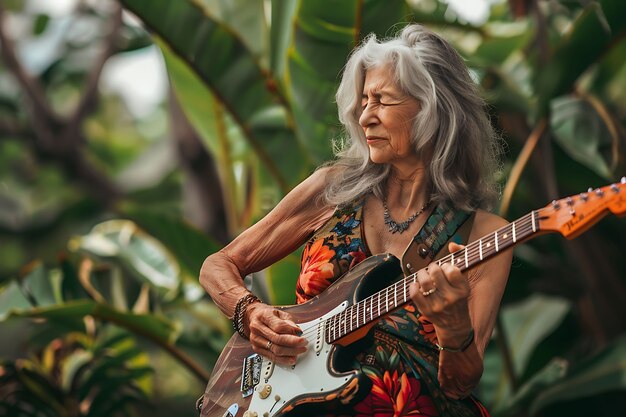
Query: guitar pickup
(251, 374)
(319, 337)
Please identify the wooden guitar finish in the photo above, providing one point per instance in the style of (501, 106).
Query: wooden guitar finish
(223, 389)
(345, 312)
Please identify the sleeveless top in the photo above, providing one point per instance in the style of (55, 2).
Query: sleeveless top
(402, 362)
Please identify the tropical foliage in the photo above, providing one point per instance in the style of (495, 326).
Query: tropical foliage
(107, 215)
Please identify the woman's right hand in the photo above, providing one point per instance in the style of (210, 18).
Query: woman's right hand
(273, 334)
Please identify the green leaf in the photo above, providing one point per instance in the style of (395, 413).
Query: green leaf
(283, 12)
(234, 76)
(602, 373)
(11, 299)
(40, 24)
(281, 280)
(496, 48)
(151, 326)
(202, 324)
(244, 17)
(527, 324)
(72, 366)
(582, 134)
(188, 244)
(587, 41)
(142, 254)
(548, 376)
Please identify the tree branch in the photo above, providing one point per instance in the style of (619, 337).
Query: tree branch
(86, 103)
(31, 86)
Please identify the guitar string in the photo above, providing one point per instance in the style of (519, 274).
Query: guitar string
(473, 250)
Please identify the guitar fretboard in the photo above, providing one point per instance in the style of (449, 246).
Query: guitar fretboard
(394, 296)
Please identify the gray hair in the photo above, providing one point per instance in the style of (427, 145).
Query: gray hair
(451, 129)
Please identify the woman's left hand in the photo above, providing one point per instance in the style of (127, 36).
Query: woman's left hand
(441, 294)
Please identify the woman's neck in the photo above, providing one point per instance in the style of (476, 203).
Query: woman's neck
(407, 190)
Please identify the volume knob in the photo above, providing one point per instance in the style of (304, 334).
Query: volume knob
(265, 391)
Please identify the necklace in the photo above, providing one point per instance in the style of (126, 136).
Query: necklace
(395, 227)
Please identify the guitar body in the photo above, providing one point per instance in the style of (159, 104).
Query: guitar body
(320, 379)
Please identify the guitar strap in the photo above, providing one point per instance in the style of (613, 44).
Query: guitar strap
(445, 224)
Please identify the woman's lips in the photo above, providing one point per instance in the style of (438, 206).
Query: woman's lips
(374, 139)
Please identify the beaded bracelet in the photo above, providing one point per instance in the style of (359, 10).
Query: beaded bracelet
(240, 310)
(466, 343)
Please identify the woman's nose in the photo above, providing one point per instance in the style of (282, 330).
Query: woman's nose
(368, 116)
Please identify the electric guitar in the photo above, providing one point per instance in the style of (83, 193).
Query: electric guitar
(246, 384)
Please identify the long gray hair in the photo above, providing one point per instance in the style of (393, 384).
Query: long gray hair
(451, 132)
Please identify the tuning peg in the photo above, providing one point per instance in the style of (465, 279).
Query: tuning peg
(623, 180)
(584, 196)
(599, 192)
(615, 188)
(569, 201)
(555, 205)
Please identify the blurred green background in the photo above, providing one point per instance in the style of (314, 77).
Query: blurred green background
(137, 137)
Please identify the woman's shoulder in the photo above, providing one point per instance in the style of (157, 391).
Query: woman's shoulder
(486, 222)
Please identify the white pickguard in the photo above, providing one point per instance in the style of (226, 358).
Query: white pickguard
(309, 375)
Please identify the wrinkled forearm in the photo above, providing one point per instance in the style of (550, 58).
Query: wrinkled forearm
(460, 372)
(222, 280)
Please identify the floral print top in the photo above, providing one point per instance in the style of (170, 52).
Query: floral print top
(402, 362)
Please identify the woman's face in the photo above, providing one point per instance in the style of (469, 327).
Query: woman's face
(387, 118)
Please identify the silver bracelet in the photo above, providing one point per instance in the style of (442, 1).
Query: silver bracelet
(466, 343)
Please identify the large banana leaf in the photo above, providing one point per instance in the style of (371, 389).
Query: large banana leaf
(582, 133)
(591, 36)
(236, 159)
(235, 78)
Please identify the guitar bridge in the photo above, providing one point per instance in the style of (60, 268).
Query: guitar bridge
(250, 374)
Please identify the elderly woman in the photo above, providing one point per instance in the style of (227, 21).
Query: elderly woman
(412, 180)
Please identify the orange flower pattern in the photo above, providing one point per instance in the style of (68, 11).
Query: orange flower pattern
(402, 363)
(394, 395)
(316, 271)
(330, 253)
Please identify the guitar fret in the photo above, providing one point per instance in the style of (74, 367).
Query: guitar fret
(386, 300)
(395, 294)
(341, 320)
(356, 316)
(496, 241)
(350, 319)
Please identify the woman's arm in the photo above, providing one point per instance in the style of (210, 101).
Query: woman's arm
(279, 233)
(463, 302)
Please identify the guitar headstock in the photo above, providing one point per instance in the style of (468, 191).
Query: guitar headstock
(573, 215)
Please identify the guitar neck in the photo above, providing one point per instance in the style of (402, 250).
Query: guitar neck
(396, 295)
(569, 216)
